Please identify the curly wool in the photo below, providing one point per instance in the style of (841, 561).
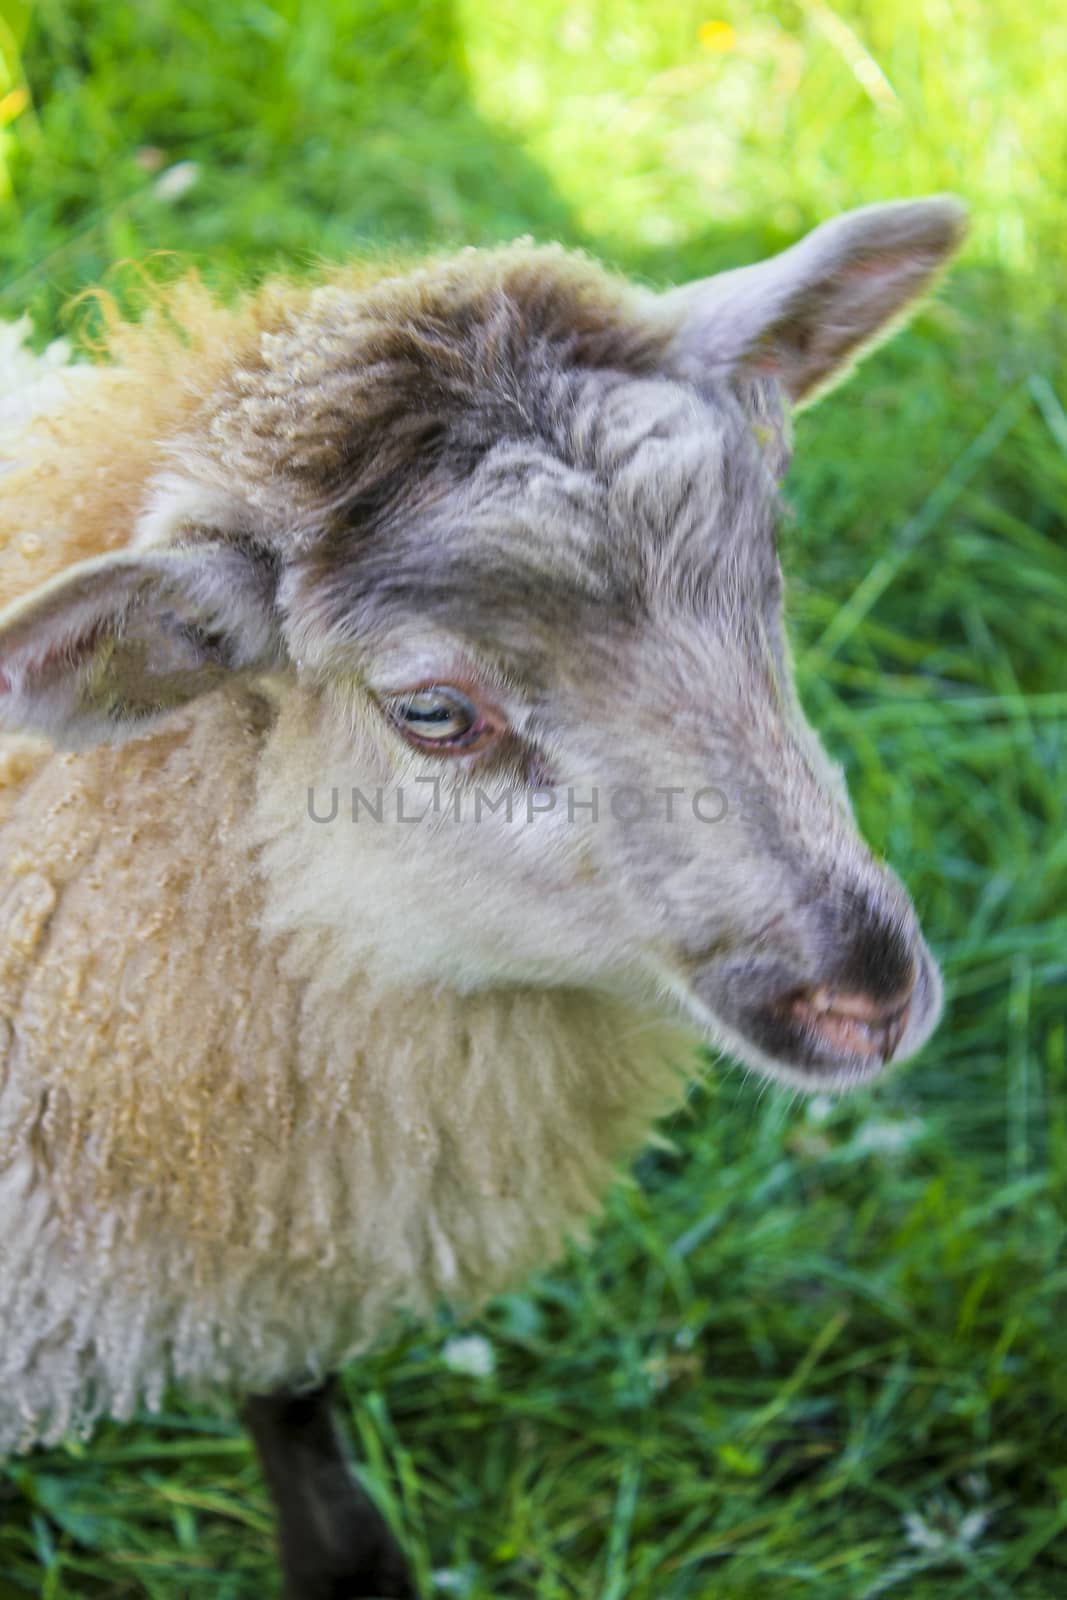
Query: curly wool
(225, 1161)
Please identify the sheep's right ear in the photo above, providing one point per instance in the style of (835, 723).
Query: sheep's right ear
(111, 644)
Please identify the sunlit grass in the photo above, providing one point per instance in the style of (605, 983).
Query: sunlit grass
(14, 101)
(663, 124)
(817, 1350)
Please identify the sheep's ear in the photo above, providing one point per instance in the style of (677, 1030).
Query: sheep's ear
(804, 316)
(96, 654)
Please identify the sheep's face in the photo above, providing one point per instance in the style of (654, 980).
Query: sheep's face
(561, 745)
(536, 715)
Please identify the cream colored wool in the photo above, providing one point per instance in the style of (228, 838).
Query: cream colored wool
(227, 1160)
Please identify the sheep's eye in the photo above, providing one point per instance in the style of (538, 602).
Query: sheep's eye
(440, 717)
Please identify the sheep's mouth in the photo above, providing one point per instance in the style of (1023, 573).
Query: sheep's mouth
(823, 1028)
(817, 1035)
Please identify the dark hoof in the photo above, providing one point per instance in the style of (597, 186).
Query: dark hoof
(367, 1564)
(388, 1580)
(347, 1587)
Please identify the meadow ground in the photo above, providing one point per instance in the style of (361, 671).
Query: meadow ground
(816, 1349)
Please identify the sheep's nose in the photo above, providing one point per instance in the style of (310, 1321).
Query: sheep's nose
(869, 951)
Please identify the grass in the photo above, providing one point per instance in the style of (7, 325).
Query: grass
(816, 1349)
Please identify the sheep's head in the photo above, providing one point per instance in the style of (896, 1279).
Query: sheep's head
(502, 532)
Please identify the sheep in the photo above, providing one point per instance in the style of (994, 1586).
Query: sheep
(403, 775)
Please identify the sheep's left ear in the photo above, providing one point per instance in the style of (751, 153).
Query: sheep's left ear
(111, 644)
(804, 316)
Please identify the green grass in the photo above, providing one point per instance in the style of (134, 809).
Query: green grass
(817, 1350)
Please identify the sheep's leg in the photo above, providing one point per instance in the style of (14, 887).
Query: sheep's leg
(335, 1542)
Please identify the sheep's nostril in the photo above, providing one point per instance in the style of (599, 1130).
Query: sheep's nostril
(852, 1023)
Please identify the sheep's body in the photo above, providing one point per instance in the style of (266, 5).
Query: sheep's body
(227, 1160)
(264, 1086)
